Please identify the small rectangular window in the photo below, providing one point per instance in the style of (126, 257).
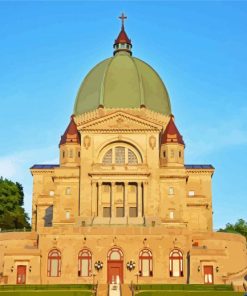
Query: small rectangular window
(191, 193)
(106, 212)
(68, 190)
(67, 215)
(133, 212)
(119, 211)
(164, 154)
(171, 215)
(170, 190)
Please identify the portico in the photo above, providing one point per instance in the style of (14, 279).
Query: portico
(118, 200)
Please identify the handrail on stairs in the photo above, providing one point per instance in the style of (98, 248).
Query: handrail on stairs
(95, 289)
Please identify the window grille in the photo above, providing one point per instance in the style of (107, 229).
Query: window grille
(120, 155)
(132, 159)
(108, 157)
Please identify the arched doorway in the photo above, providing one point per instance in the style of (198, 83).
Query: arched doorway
(115, 266)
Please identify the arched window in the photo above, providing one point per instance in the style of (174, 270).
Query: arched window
(176, 263)
(54, 263)
(84, 263)
(120, 155)
(146, 263)
(115, 254)
(107, 159)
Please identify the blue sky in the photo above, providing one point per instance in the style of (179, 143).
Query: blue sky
(198, 48)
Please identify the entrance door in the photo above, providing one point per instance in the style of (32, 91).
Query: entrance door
(21, 274)
(115, 266)
(115, 272)
(208, 275)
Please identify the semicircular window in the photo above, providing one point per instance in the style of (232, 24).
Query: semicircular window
(120, 155)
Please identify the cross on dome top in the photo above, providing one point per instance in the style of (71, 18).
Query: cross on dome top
(122, 17)
(122, 43)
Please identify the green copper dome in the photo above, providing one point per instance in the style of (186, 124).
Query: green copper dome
(122, 81)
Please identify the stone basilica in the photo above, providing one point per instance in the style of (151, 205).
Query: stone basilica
(122, 205)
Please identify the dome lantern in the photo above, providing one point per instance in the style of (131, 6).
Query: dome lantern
(122, 43)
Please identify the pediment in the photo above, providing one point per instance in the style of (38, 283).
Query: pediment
(120, 121)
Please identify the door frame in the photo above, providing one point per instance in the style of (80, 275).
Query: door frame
(212, 268)
(120, 262)
(117, 258)
(17, 274)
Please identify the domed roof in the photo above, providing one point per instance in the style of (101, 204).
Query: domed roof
(122, 81)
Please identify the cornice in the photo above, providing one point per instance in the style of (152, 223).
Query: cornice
(199, 171)
(122, 173)
(41, 171)
(141, 113)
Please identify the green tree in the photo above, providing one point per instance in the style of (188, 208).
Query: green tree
(239, 227)
(12, 213)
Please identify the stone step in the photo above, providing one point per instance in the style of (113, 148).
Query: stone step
(114, 290)
(125, 289)
(102, 290)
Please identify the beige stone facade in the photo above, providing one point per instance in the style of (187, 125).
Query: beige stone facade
(122, 206)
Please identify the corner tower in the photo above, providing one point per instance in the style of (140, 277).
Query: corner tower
(70, 145)
(172, 146)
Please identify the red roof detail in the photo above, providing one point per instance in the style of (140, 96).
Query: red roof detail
(71, 134)
(171, 134)
(122, 37)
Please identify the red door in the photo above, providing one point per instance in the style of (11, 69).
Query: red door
(21, 274)
(115, 272)
(208, 275)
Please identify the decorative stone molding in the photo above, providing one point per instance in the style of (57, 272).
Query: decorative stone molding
(87, 142)
(152, 142)
(142, 114)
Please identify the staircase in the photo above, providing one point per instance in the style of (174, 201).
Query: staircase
(113, 290)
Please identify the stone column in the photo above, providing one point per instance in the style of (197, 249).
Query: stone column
(113, 195)
(94, 198)
(145, 197)
(100, 209)
(139, 203)
(126, 213)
